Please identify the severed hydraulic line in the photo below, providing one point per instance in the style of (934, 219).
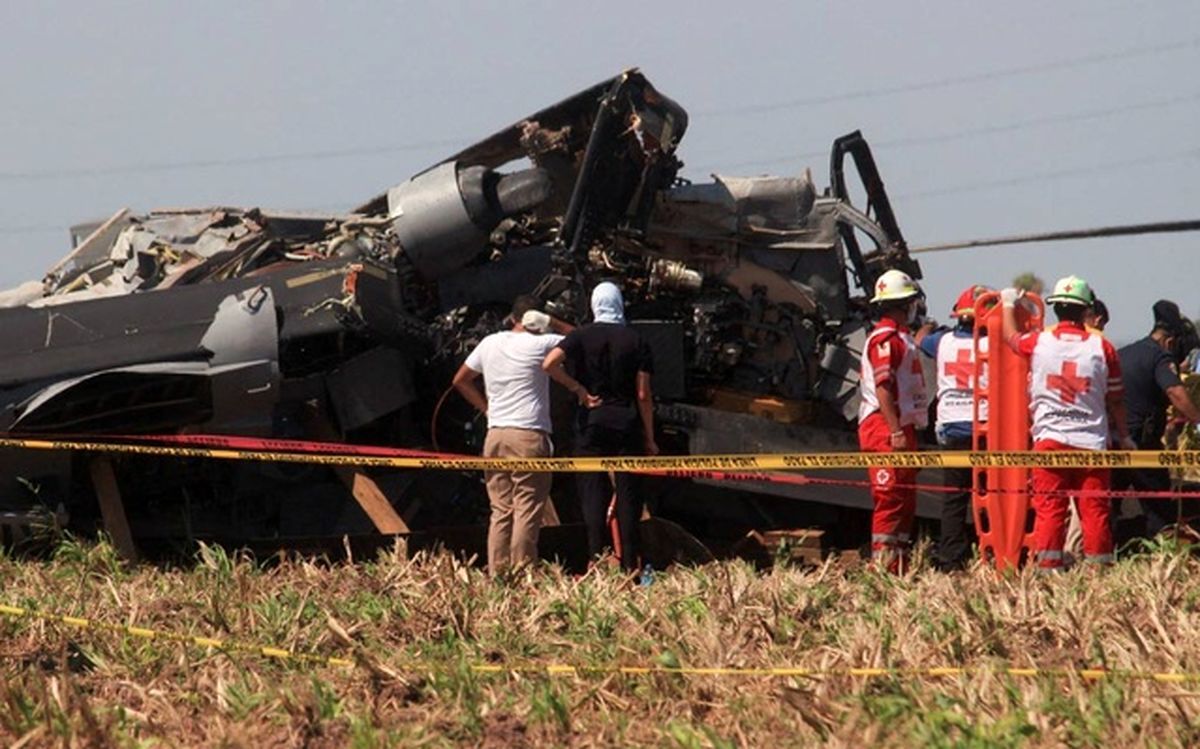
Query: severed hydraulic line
(1161, 227)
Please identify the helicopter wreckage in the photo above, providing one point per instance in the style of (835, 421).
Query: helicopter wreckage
(348, 327)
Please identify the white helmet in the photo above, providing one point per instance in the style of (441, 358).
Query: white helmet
(894, 286)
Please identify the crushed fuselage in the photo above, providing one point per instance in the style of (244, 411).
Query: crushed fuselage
(244, 321)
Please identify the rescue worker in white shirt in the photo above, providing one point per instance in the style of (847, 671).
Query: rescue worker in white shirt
(516, 401)
(954, 353)
(1075, 395)
(893, 405)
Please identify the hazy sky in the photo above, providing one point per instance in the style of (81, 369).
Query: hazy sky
(987, 118)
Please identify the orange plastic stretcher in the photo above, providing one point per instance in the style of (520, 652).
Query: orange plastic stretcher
(1003, 520)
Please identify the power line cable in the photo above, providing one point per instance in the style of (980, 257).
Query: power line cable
(329, 209)
(167, 166)
(1142, 161)
(33, 229)
(990, 75)
(1139, 162)
(1016, 126)
(151, 167)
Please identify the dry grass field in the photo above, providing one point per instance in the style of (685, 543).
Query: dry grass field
(418, 628)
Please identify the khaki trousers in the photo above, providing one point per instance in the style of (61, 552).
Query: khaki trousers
(518, 498)
(1074, 548)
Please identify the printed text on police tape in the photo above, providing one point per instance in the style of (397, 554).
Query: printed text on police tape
(761, 462)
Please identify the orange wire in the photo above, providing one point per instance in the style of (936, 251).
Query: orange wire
(433, 422)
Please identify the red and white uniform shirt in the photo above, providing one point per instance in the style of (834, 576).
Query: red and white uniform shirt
(956, 379)
(1072, 371)
(891, 360)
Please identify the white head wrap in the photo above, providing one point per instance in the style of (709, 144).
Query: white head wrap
(607, 303)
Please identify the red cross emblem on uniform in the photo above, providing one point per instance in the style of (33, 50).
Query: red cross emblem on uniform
(960, 369)
(880, 286)
(1069, 384)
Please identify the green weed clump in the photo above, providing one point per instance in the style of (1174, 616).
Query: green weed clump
(445, 656)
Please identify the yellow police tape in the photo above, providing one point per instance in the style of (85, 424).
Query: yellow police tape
(229, 646)
(566, 669)
(756, 462)
(1086, 674)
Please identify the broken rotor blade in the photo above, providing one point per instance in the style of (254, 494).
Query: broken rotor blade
(1161, 227)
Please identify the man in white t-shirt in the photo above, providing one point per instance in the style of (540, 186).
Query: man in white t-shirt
(516, 401)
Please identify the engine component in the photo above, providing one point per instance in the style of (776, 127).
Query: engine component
(445, 216)
(430, 217)
(672, 275)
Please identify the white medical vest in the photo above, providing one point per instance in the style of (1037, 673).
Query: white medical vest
(911, 398)
(956, 379)
(1067, 387)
